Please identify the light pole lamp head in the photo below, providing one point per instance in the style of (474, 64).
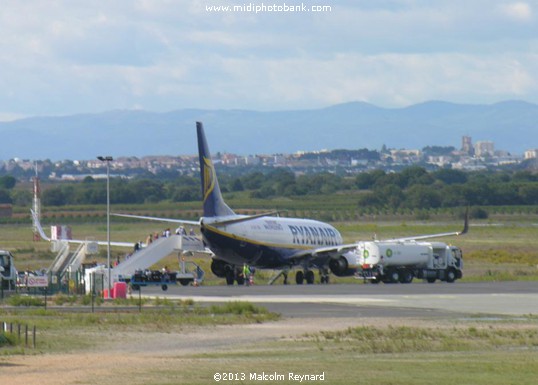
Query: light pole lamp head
(105, 158)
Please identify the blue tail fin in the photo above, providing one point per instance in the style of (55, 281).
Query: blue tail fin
(214, 205)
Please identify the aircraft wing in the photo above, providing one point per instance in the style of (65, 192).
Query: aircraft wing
(37, 224)
(337, 251)
(322, 252)
(158, 219)
(438, 235)
(102, 243)
(427, 236)
(197, 223)
(245, 218)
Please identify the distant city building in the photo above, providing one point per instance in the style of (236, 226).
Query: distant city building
(406, 156)
(484, 148)
(469, 164)
(531, 154)
(440, 161)
(481, 156)
(252, 160)
(467, 145)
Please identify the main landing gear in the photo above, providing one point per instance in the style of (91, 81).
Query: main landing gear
(324, 275)
(234, 275)
(301, 276)
(308, 275)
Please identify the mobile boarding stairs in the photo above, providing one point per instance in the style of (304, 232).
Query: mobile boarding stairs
(68, 262)
(157, 250)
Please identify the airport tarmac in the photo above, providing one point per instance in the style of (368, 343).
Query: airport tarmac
(367, 300)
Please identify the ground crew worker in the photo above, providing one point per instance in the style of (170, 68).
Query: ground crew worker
(246, 274)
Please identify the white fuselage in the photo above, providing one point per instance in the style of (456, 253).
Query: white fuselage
(267, 241)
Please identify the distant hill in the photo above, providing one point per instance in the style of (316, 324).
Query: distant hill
(512, 125)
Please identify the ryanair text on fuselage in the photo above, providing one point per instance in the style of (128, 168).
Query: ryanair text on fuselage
(308, 235)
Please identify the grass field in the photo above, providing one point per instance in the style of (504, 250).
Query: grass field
(71, 329)
(451, 351)
(504, 247)
(147, 348)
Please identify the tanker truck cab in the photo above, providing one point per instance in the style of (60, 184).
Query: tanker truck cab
(402, 261)
(456, 260)
(8, 272)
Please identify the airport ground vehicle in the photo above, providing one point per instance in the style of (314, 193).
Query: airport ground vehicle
(152, 277)
(189, 274)
(8, 273)
(393, 261)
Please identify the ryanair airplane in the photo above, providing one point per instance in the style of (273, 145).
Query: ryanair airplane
(265, 241)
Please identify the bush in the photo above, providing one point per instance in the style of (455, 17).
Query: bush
(23, 300)
(5, 340)
(87, 300)
(478, 213)
(237, 307)
(62, 299)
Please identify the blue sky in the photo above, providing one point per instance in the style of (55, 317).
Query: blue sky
(70, 56)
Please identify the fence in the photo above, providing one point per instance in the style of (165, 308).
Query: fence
(21, 331)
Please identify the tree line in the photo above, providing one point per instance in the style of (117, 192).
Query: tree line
(415, 188)
(412, 188)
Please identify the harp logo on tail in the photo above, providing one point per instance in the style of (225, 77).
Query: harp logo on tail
(209, 177)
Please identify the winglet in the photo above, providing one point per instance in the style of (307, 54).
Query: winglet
(465, 223)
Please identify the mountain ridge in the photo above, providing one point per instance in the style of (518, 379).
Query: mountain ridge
(510, 124)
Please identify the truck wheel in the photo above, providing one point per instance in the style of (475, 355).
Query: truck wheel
(406, 276)
(393, 276)
(164, 287)
(299, 277)
(450, 275)
(184, 281)
(431, 279)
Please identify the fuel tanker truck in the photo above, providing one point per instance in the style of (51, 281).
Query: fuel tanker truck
(401, 261)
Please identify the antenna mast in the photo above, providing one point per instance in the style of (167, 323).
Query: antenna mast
(36, 204)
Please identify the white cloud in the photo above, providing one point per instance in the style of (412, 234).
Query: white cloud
(386, 79)
(519, 11)
(74, 56)
(9, 117)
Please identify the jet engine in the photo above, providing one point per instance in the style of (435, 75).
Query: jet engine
(219, 267)
(344, 265)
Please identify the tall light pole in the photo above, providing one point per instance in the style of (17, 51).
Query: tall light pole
(107, 159)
